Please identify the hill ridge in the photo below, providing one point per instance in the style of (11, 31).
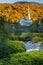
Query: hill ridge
(14, 12)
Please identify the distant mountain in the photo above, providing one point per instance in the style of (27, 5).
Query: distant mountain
(22, 2)
(14, 12)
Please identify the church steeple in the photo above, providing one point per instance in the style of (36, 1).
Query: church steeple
(29, 13)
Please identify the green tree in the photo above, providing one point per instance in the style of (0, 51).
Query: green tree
(4, 30)
(34, 26)
(4, 34)
(41, 25)
(17, 28)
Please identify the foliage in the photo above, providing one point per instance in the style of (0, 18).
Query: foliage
(27, 58)
(26, 35)
(4, 34)
(37, 26)
(14, 37)
(34, 26)
(38, 34)
(41, 46)
(17, 28)
(16, 46)
(41, 26)
(4, 30)
(36, 39)
(1, 62)
(4, 49)
(8, 47)
(15, 12)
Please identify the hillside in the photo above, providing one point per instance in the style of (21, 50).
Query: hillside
(14, 12)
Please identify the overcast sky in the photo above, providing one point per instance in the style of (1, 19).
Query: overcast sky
(12, 1)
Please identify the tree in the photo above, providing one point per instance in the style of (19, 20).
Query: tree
(34, 26)
(41, 25)
(17, 28)
(4, 30)
(4, 34)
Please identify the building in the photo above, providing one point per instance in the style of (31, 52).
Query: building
(27, 21)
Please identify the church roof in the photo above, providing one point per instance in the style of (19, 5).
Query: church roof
(25, 22)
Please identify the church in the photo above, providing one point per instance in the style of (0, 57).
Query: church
(27, 21)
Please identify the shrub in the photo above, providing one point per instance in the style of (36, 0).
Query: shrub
(9, 47)
(1, 62)
(41, 46)
(36, 39)
(27, 58)
(4, 50)
(13, 37)
(38, 34)
(26, 36)
(16, 46)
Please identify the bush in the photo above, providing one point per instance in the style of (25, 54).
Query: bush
(27, 36)
(14, 37)
(41, 46)
(27, 58)
(9, 47)
(16, 46)
(4, 50)
(36, 39)
(38, 34)
(1, 62)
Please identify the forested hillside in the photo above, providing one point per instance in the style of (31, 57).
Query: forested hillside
(14, 12)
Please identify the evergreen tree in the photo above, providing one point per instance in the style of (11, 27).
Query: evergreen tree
(4, 30)
(34, 26)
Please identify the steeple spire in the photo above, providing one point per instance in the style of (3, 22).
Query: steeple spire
(29, 13)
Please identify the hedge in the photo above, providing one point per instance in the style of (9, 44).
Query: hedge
(36, 39)
(9, 47)
(26, 58)
(16, 46)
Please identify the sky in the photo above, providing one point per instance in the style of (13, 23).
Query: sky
(13, 1)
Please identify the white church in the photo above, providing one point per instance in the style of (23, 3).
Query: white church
(27, 21)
